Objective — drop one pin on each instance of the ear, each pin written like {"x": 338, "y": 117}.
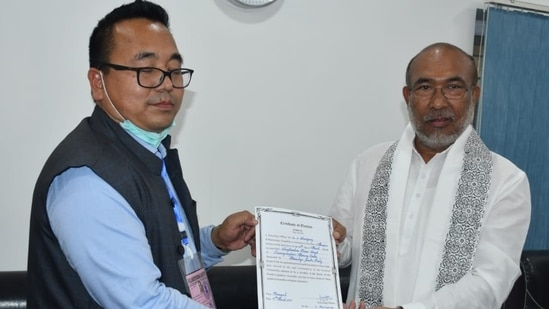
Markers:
{"x": 96, "y": 85}
{"x": 406, "y": 93}
{"x": 475, "y": 94}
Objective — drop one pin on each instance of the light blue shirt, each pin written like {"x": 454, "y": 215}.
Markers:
{"x": 105, "y": 243}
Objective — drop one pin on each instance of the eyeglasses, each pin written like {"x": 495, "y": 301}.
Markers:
{"x": 151, "y": 77}
{"x": 452, "y": 91}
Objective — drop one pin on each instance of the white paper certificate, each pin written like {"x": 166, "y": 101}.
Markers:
{"x": 296, "y": 260}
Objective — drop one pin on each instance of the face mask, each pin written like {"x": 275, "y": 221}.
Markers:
{"x": 152, "y": 138}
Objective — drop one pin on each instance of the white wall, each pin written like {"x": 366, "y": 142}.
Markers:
{"x": 282, "y": 100}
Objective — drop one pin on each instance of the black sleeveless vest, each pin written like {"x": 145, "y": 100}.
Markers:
{"x": 102, "y": 145}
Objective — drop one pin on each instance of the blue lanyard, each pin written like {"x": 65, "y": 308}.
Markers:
{"x": 177, "y": 210}
{"x": 191, "y": 260}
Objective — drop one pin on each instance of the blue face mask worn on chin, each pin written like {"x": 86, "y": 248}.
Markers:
{"x": 151, "y": 138}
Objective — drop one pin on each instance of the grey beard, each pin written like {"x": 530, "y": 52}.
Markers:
{"x": 438, "y": 140}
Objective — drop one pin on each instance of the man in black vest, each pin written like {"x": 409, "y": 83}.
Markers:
{"x": 113, "y": 223}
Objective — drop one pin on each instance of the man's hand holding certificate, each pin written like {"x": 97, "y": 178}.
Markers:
{"x": 296, "y": 260}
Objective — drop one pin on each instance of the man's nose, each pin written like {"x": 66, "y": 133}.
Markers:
{"x": 438, "y": 100}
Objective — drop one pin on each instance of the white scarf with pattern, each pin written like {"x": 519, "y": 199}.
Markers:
{"x": 471, "y": 175}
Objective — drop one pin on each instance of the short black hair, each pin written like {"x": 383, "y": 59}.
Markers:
{"x": 101, "y": 39}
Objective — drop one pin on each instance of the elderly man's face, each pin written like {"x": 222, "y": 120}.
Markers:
{"x": 441, "y": 98}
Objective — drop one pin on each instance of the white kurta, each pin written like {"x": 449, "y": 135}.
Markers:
{"x": 418, "y": 216}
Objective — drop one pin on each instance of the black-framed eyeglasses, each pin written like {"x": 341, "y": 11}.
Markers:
{"x": 151, "y": 77}
{"x": 451, "y": 91}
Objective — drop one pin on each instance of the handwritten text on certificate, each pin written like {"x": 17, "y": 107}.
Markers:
{"x": 297, "y": 261}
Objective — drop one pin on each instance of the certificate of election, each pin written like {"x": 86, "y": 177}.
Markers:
{"x": 296, "y": 260}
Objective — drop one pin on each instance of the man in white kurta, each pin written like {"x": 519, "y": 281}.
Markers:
{"x": 442, "y": 230}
